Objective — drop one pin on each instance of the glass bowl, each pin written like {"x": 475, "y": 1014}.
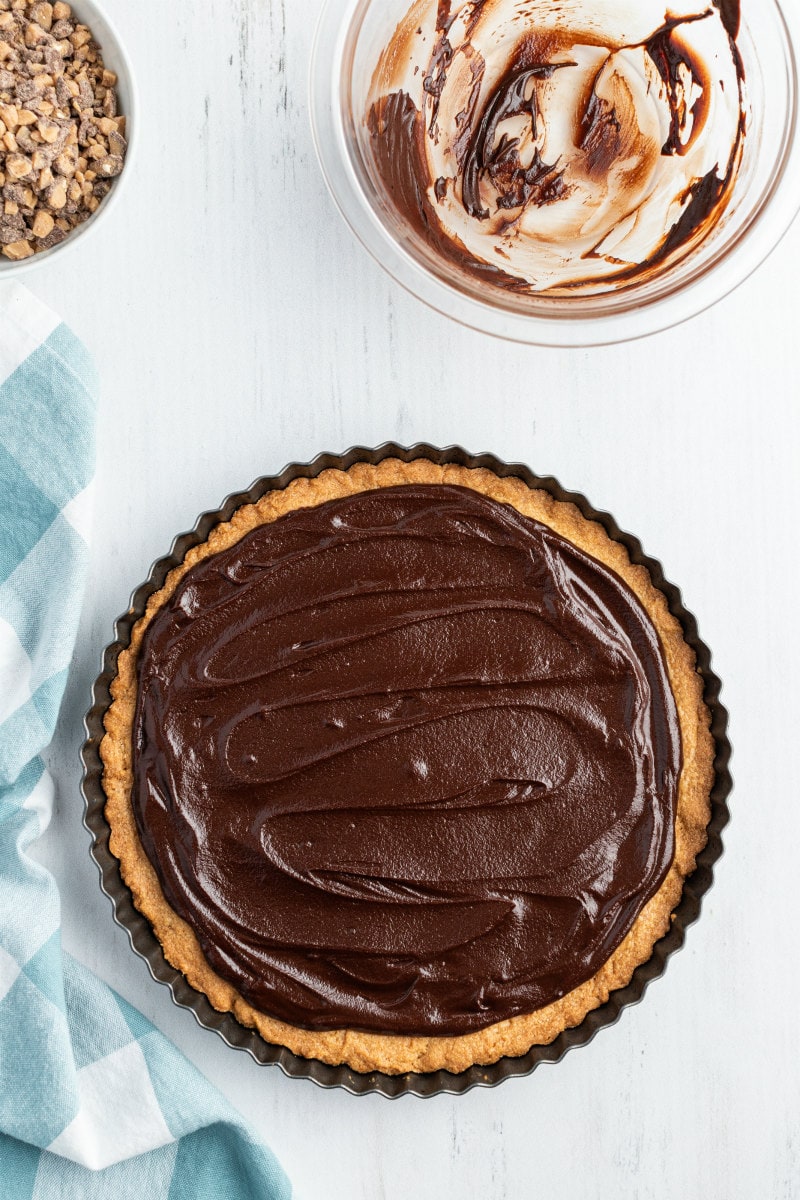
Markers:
{"x": 350, "y": 37}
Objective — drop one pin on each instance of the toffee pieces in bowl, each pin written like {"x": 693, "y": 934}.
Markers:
{"x": 62, "y": 139}
{"x": 407, "y": 765}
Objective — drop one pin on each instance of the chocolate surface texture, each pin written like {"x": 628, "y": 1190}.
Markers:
{"x": 559, "y": 145}
{"x": 406, "y": 762}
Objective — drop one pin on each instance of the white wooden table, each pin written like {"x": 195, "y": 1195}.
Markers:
{"x": 237, "y": 326}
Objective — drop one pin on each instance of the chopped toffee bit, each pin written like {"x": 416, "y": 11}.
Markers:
{"x": 62, "y": 140}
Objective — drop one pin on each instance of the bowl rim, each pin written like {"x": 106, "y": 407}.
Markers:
{"x": 748, "y": 251}
{"x": 138, "y": 928}
{"x": 78, "y": 236}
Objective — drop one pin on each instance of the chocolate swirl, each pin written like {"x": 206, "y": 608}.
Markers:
{"x": 406, "y": 762}
{"x": 555, "y": 147}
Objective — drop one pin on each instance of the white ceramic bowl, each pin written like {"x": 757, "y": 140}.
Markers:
{"x": 115, "y": 57}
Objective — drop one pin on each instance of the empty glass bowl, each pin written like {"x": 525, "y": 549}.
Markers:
{"x": 350, "y": 38}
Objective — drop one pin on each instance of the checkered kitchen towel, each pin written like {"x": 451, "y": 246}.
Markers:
{"x": 94, "y": 1102}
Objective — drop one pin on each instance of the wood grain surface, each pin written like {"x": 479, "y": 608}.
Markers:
{"x": 238, "y": 325}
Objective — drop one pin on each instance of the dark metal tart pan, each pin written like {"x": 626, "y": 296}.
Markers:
{"x": 138, "y": 927}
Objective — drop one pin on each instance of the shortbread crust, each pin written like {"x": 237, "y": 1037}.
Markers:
{"x": 388, "y": 1053}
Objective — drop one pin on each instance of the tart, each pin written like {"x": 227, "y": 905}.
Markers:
{"x": 407, "y": 765}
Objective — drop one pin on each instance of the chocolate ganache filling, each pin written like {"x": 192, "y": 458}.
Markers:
{"x": 406, "y": 762}
{"x": 559, "y": 145}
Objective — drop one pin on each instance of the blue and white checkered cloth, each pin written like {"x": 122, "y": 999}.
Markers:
{"x": 94, "y": 1102}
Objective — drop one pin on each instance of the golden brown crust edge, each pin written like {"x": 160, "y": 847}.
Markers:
{"x": 388, "y": 1053}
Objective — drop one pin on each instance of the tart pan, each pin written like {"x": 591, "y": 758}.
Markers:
{"x": 138, "y": 928}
